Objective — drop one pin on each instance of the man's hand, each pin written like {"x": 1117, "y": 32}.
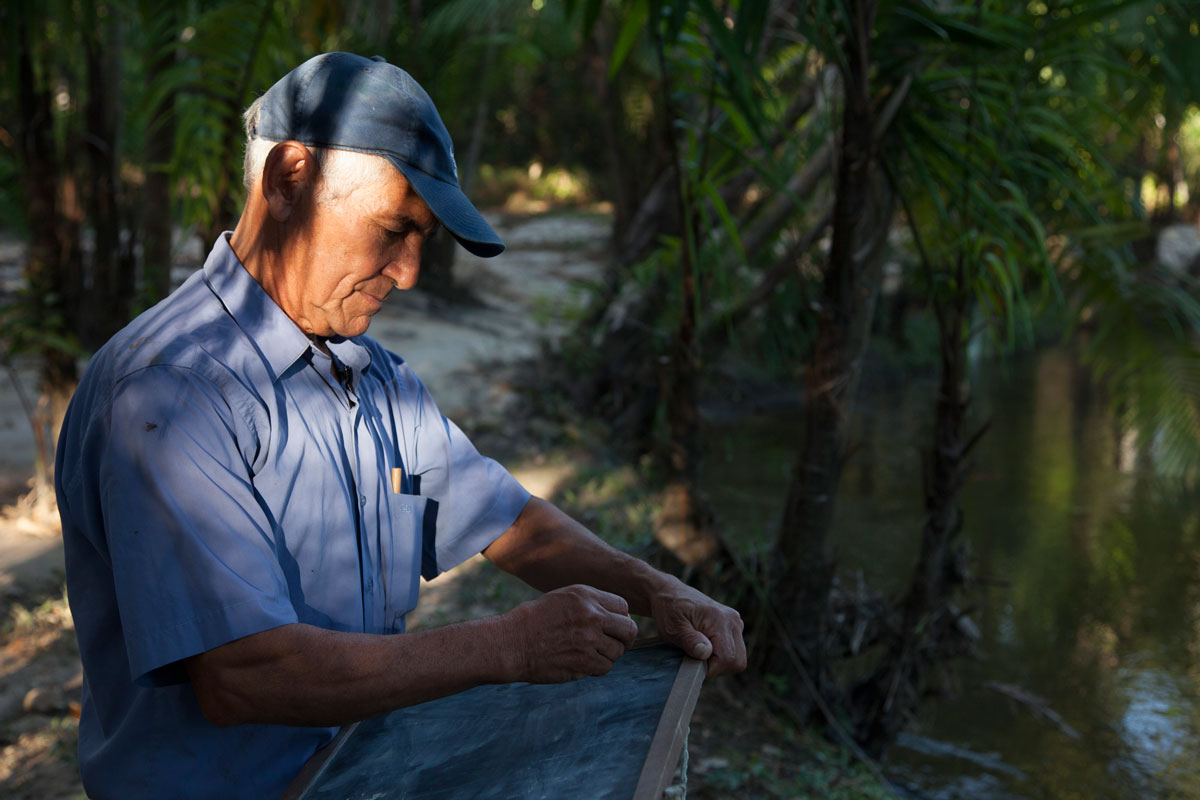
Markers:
{"x": 568, "y": 633}
{"x": 701, "y": 627}
{"x": 547, "y": 549}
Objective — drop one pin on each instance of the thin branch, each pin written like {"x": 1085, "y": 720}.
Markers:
{"x": 783, "y": 266}
{"x": 974, "y": 440}
{"x": 26, "y": 406}
{"x": 804, "y": 181}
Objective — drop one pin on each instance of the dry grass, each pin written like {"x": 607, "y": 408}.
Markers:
{"x": 40, "y": 678}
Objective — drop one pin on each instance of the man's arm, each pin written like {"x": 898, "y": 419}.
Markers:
{"x": 303, "y": 675}
{"x": 547, "y": 549}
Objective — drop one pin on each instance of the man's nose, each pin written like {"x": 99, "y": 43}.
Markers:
{"x": 403, "y": 270}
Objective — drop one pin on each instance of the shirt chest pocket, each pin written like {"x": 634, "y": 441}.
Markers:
{"x": 404, "y": 532}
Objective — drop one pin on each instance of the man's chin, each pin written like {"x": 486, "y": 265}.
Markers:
{"x": 355, "y": 327}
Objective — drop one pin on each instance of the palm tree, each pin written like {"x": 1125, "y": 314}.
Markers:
{"x": 984, "y": 125}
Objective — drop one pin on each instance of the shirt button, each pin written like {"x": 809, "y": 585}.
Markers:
{"x": 370, "y": 584}
{"x": 362, "y": 499}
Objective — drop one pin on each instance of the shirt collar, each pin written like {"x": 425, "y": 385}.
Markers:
{"x": 263, "y": 321}
{"x": 271, "y": 330}
{"x": 353, "y": 355}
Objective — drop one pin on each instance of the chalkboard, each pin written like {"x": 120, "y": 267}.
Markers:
{"x": 616, "y": 736}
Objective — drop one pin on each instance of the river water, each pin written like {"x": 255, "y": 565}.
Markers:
{"x": 1099, "y": 616}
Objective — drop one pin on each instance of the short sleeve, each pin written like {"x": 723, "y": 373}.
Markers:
{"x": 475, "y": 498}
{"x": 192, "y": 550}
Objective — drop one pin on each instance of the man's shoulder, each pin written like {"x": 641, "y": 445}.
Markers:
{"x": 166, "y": 352}
{"x": 189, "y": 330}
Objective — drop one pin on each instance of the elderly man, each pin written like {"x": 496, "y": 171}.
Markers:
{"x": 250, "y": 487}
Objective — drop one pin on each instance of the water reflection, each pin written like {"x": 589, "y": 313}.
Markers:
{"x": 1156, "y": 736}
{"x": 1101, "y": 612}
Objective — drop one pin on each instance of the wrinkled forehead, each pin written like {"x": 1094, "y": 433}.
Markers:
{"x": 393, "y": 199}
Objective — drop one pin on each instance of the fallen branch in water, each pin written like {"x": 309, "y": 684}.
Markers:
{"x": 1034, "y": 703}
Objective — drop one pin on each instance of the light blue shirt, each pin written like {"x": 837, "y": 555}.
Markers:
{"x": 215, "y": 480}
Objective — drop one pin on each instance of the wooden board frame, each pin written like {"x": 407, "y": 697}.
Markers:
{"x": 315, "y": 765}
{"x": 672, "y": 729}
{"x": 662, "y": 756}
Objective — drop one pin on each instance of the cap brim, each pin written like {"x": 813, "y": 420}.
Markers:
{"x": 454, "y": 211}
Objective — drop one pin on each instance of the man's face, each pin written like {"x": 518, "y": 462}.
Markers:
{"x": 354, "y": 253}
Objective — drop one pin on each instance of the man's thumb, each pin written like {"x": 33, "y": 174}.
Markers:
{"x": 698, "y": 646}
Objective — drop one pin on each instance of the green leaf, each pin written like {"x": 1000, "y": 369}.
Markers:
{"x": 631, "y": 28}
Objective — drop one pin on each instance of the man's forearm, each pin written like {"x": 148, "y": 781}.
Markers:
{"x": 303, "y": 675}
{"x": 547, "y": 549}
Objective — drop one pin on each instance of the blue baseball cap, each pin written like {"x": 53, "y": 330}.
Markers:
{"x": 348, "y": 102}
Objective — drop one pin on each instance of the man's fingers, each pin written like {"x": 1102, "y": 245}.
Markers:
{"x": 729, "y": 655}
{"x": 611, "y": 649}
{"x": 606, "y": 600}
{"x": 708, "y": 631}
{"x": 621, "y": 628}
{"x": 697, "y": 645}
{"x": 612, "y": 602}
{"x": 613, "y": 613}
{"x": 573, "y": 632}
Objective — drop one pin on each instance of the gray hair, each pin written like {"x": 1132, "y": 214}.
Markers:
{"x": 340, "y": 171}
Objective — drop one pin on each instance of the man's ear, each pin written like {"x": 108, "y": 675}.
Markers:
{"x": 287, "y": 177}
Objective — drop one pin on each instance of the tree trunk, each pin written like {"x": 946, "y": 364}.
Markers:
{"x": 52, "y": 247}
{"x": 945, "y": 470}
{"x": 625, "y": 174}
{"x": 932, "y": 630}
{"x": 160, "y": 141}
{"x": 1167, "y": 173}
{"x": 684, "y": 523}
{"x": 657, "y": 215}
{"x": 437, "y": 267}
{"x": 479, "y": 119}
{"x": 415, "y": 15}
{"x": 223, "y": 214}
{"x": 803, "y": 583}
{"x": 111, "y": 262}
{"x": 437, "y": 257}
